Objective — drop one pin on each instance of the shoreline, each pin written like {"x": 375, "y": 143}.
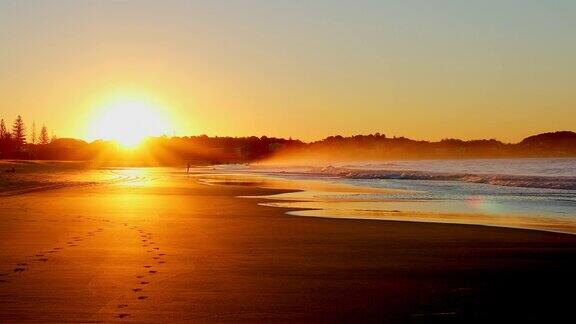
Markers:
{"x": 311, "y": 198}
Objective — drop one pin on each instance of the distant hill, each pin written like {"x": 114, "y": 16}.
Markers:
{"x": 557, "y": 142}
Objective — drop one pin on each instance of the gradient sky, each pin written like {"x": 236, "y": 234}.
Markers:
{"x": 306, "y": 69}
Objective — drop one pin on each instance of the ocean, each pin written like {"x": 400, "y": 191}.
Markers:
{"x": 540, "y": 188}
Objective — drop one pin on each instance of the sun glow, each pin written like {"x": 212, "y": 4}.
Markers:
{"x": 128, "y": 121}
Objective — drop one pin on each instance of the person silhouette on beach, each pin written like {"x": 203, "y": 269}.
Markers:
{"x": 188, "y": 169}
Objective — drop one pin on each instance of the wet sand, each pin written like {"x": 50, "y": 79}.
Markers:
{"x": 169, "y": 249}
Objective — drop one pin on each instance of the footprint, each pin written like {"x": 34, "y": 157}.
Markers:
{"x": 162, "y": 254}
{"x": 161, "y": 262}
{"x": 144, "y": 282}
{"x": 137, "y": 289}
{"x": 23, "y": 264}
{"x": 147, "y": 266}
{"x": 42, "y": 259}
{"x": 156, "y": 258}
{"x": 19, "y": 269}
{"x": 152, "y": 271}
{"x": 156, "y": 248}
{"x": 122, "y": 315}
{"x": 142, "y": 297}
{"x": 122, "y": 306}
{"x": 39, "y": 255}
{"x": 140, "y": 276}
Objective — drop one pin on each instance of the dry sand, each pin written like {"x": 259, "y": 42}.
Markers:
{"x": 168, "y": 249}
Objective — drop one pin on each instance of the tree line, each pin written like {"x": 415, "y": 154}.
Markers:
{"x": 15, "y": 143}
{"x": 379, "y": 147}
{"x": 204, "y": 149}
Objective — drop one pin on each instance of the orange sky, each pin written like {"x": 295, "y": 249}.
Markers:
{"x": 294, "y": 68}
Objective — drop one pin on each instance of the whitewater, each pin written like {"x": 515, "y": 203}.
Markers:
{"x": 496, "y": 187}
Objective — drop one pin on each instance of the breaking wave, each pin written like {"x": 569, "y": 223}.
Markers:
{"x": 548, "y": 182}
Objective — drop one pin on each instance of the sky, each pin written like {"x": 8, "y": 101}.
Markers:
{"x": 427, "y": 69}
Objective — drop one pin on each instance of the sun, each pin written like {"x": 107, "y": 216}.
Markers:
{"x": 128, "y": 121}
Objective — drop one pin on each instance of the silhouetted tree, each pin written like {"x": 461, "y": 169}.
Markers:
{"x": 44, "y": 138}
{"x": 19, "y": 132}
{"x": 33, "y": 134}
{"x": 3, "y": 131}
{"x": 4, "y": 140}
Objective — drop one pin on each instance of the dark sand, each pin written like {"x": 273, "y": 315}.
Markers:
{"x": 172, "y": 250}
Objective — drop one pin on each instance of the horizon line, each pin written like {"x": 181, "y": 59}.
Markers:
{"x": 326, "y": 137}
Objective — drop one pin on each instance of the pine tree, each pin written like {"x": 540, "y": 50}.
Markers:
{"x": 44, "y": 138}
{"x": 4, "y": 139}
{"x": 4, "y": 135}
{"x": 19, "y": 132}
{"x": 33, "y": 135}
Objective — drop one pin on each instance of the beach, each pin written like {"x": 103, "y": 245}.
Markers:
{"x": 153, "y": 245}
